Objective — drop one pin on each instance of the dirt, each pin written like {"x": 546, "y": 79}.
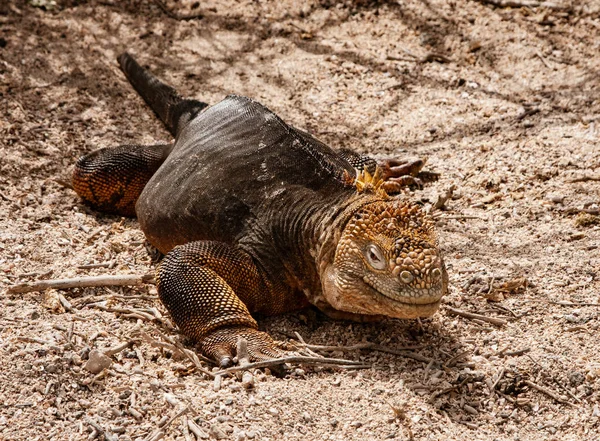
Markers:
{"x": 503, "y": 102}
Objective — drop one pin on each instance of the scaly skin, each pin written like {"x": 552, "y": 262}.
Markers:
{"x": 300, "y": 227}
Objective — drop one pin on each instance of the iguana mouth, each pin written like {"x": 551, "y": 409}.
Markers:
{"x": 415, "y": 301}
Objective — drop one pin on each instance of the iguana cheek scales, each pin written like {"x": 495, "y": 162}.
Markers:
{"x": 255, "y": 216}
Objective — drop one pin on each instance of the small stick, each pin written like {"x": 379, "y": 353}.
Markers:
{"x": 517, "y": 352}
{"x": 70, "y": 332}
{"x": 97, "y": 265}
{"x": 548, "y": 392}
{"x": 585, "y": 178}
{"x": 185, "y": 429}
{"x": 526, "y": 113}
{"x": 451, "y": 361}
{"x": 471, "y": 315}
{"x": 524, "y": 4}
{"x": 114, "y": 351}
{"x": 196, "y": 430}
{"x": 83, "y": 282}
{"x": 374, "y": 347}
{"x": 127, "y": 312}
{"x": 294, "y": 359}
{"x": 65, "y": 303}
{"x": 499, "y": 377}
{"x": 40, "y": 342}
{"x": 460, "y": 217}
{"x": 564, "y": 303}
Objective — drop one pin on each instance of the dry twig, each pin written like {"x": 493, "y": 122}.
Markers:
{"x": 525, "y": 4}
{"x": 404, "y": 352}
{"x": 471, "y": 315}
{"x": 548, "y": 392}
{"x": 83, "y": 282}
{"x": 295, "y": 359}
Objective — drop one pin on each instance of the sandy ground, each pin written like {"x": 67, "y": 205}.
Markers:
{"x": 503, "y": 102}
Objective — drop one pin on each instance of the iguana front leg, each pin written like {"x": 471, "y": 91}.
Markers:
{"x": 209, "y": 289}
{"x": 400, "y": 173}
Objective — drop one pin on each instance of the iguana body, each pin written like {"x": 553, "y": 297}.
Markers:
{"x": 255, "y": 216}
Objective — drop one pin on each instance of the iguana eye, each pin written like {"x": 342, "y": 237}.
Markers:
{"x": 375, "y": 257}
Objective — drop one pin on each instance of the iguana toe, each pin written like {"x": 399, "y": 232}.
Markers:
{"x": 221, "y": 345}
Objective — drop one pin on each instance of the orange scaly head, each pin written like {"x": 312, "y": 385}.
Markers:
{"x": 387, "y": 262}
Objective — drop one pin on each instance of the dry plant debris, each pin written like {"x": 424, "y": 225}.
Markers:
{"x": 501, "y": 97}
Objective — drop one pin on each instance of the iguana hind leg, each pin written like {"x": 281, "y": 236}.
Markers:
{"x": 111, "y": 179}
{"x": 209, "y": 289}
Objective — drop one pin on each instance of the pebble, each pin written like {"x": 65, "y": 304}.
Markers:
{"x": 217, "y": 383}
{"x": 306, "y": 417}
{"x": 171, "y": 399}
{"x": 273, "y": 411}
{"x": 556, "y": 198}
{"x": 235, "y": 387}
{"x": 97, "y": 362}
{"x": 356, "y": 424}
{"x": 216, "y": 432}
{"x": 251, "y": 434}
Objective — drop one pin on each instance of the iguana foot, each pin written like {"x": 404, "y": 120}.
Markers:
{"x": 221, "y": 345}
{"x": 401, "y": 173}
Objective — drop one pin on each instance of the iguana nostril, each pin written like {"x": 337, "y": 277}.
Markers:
{"x": 406, "y": 277}
{"x": 436, "y": 273}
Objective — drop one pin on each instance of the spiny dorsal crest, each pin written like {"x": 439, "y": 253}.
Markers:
{"x": 367, "y": 183}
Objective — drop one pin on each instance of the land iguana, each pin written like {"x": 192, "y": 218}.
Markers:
{"x": 255, "y": 216}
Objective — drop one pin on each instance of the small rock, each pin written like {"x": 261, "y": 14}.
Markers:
{"x": 240, "y": 436}
{"x": 217, "y": 383}
{"x": 76, "y": 360}
{"x": 306, "y": 417}
{"x": 171, "y": 399}
{"x": 251, "y": 435}
{"x": 216, "y": 432}
{"x": 356, "y": 424}
{"x": 576, "y": 378}
{"x": 97, "y": 362}
{"x": 334, "y": 422}
{"x": 273, "y": 411}
{"x": 248, "y": 380}
{"x": 556, "y": 198}
{"x": 576, "y": 236}
{"x": 52, "y": 368}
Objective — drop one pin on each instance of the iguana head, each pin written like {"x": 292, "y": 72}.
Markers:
{"x": 387, "y": 262}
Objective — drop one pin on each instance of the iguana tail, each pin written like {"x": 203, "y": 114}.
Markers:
{"x": 173, "y": 110}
